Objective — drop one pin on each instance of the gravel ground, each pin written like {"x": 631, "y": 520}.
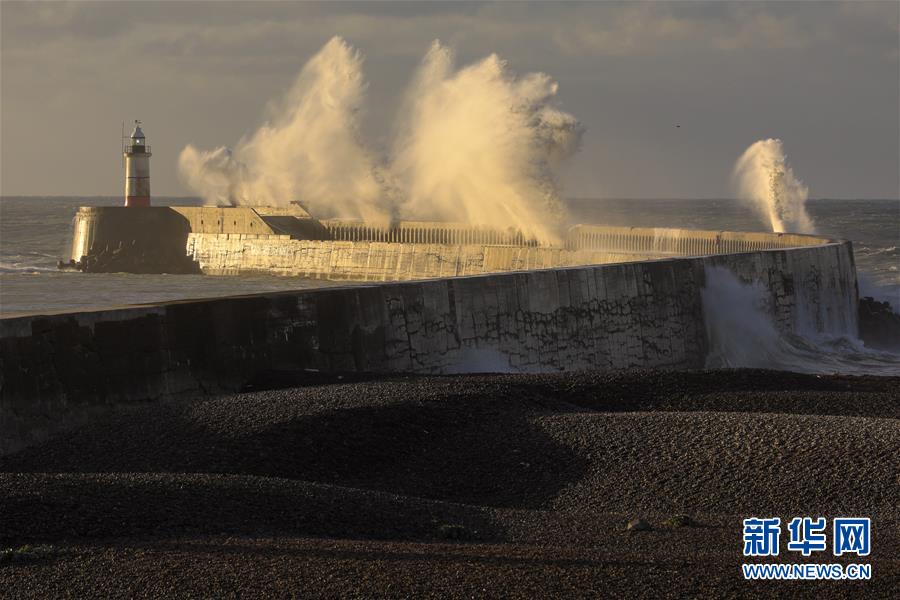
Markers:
{"x": 506, "y": 485}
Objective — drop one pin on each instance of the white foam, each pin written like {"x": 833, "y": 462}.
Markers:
{"x": 741, "y": 332}
{"x": 765, "y": 180}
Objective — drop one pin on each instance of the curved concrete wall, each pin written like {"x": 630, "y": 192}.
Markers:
{"x": 359, "y": 256}
{"x": 639, "y": 314}
{"x": 287, "y": 241}
{"x": 100, "y": 227}
{"x": 240, "y": 254}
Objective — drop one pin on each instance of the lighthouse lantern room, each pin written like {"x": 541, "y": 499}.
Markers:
{"x": 137, "y": 168}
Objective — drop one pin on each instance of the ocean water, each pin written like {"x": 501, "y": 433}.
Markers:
{"x": 35, "y": 232}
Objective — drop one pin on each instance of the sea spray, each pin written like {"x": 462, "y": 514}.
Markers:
{"x": 739, "y": 330}
{"x": 741, "y": 333}
{"x": 309, "y": 151}
{"x": 478, "y": 144}
{"x": 474, "y": 144}
{"x": 764, "y": 178}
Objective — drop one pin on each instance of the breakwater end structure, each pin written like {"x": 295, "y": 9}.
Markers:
{"x": 448, "y": 299}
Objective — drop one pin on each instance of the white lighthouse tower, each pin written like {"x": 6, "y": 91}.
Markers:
{"x": 137, "y": 168}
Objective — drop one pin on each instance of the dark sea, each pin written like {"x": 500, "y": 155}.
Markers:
{"x": 35, "y": 232}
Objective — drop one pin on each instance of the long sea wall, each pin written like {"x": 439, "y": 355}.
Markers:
{"x": 639, "y": 314}
{"x": 425, "y": 250}
{"x": 288, "y": 242}
{"x": 244, "y": 254}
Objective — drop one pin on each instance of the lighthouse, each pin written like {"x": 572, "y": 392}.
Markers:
{"x": 137, "y": 168}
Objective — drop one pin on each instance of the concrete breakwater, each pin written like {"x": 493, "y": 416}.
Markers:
{"x": 288, "y": 242}
{"x": 241, "y": 254}
{"x": 366, "y": 255}
{"x": 634, "y": 314}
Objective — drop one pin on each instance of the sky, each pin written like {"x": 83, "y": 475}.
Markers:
{"x": 822, "y": 76}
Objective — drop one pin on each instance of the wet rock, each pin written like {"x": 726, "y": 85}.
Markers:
{"x": 137, "y": 258}
{"x": 879, "y": 325}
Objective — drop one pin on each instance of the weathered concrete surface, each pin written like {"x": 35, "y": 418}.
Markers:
{"x": 287, "y": 241}
{"x": 241, "y": 254}
{"x": 359, "y": 256}
{"x": 644, "y": 314}
{"x": 131, "y": 239}
{"x": 98, "y": 227}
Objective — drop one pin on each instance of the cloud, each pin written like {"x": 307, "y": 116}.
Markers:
{"x": 255, "y": 31}
{"x": 651, "y": 28}
{"x": 200, "y": 72}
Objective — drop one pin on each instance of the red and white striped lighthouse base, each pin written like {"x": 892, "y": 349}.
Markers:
{"x": 137, "y": 201}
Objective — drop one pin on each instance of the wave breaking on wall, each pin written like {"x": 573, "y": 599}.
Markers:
{"x": 475, "y": 144}
{"x": 741, "y": 332}
{"x": 764, "y": 178}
